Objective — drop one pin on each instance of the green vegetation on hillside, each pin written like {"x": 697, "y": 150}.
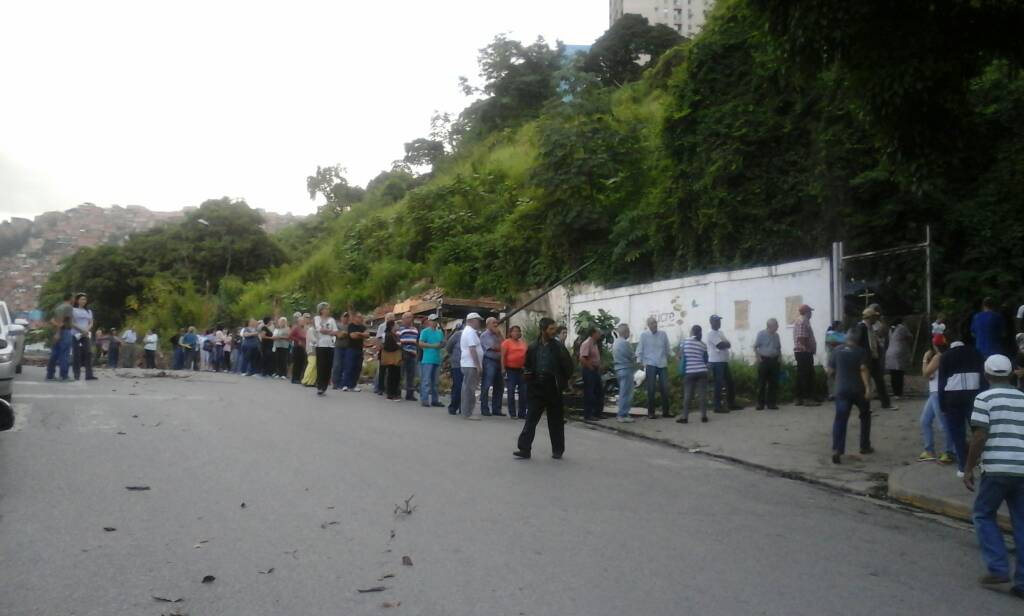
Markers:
{"x": 777, "y": 130}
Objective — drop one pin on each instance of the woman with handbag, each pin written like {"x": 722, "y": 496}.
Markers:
{"x": 326, "y": 328}
{"x": 391, "y": 362}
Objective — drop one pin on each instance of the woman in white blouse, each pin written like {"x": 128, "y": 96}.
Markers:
{"x": 325, "y": 327}
{"x": 149, "y": 344}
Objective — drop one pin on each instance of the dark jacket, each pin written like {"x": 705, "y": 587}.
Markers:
{"x": 961, "y": 377}
{"x": 533, "y": 372}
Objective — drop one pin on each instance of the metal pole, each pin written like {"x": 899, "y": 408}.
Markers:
{"x": 547, "y": 290}
{"x": 837, "y": 281}
{"x": 928, "y": 270}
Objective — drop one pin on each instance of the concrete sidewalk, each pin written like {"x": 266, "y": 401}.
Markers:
{"x": 796, "y": 442}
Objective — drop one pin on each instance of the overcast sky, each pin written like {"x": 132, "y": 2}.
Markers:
{"x": 168, "y": 104}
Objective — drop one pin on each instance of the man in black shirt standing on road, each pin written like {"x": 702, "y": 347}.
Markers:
{"x": 547, "y": 371}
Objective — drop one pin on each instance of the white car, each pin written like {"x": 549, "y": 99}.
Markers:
{"x": 12, "y": 343}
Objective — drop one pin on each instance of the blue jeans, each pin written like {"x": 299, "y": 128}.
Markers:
{"x": 428, "y": 384}
{"x": 928, "y": 415}
{"x": 625, "y": 377}
{"x": 956, "y": 423}
{"x": 722, "y": 378}
{"x": 845, "y": 404}
{"x": 517, "y": 386}
{"x": 338, "y": 369}
{"x": 218, "y": 357}
{"x": 491, "y": 380}
{"x": 112, "y": 356}
{"x": 593, "y": 394}
{"x": 410, "y": 366}
{"x": 250, "y": 357}
{"x": 456, "y": 403}
{"x": 992, "y": 491}
{"x": 60, "y": 355}
{"x": 661, "y": 375}
{"x": 353, "y": 367}
{"x": 179, "y": 358}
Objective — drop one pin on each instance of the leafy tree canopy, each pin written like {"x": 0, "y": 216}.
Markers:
{"x": 615, "y": 58}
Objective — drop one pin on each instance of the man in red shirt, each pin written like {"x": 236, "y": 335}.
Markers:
{"x": 804, "y": 348}
{"x": 513, "y": 357}
{"x": 590, "y": 362}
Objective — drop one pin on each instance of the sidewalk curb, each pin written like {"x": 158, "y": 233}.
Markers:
{"x": 900, "y": 493}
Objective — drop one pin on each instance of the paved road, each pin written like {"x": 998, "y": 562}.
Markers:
{"x": 617, "y": 527}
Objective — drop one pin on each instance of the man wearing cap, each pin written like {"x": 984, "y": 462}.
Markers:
{"x": 491, "y": 380}
{"x": 470, "y": 359}
{"x": 718, "y": 362}
{"x": 453, "y": 352}
{"x": 768, "y": 351}
{"x": 652, "y": 354}
{"x": 804, "y": 348}
{"x": 998, "y": 443}
{"x": 431, "y": 341}
{"x": 961, "y": 379}
{"x": 876, "y": 353}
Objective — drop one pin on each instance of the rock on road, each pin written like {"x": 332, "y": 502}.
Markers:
{"x": 618, "y": 527}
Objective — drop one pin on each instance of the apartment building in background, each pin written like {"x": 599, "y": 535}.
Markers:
{"x": 686, "y": 17}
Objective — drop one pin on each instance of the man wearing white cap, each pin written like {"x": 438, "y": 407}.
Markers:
{"x": 998, "y": 443}
{"x": 431, "y": 341}
{"x": 470, "y": 361}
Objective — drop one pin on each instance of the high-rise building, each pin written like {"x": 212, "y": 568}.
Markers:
{"x": 686, "y": 17}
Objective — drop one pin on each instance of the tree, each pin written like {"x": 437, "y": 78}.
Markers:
{"x": 621, "y": 54}
{"x": 331, "y": 184}
{"x": 423, "y": 152}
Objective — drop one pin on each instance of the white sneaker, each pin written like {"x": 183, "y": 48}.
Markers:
{"x": 472, "y": 418}
{"x": 960, "y": 474}
{"x": 344, "y": 389}
{"x": 625, "y": 420}
{"x": 355, "y": 389}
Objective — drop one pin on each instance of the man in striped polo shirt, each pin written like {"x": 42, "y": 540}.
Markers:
{"x": 998, "y": 442}
{"x": 409, "y": 338}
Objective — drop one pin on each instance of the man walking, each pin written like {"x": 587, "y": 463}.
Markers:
{"x": 961, "y": 379}
{"x": 513, "y": 358}
{"x": 409, "y": 338}
{"x": 999, "y": 445}
{"x": 453, "y": 351}
{"x": 652, "y": 353}
{"x": 470, "y": 361}
{"x": 768, "y": 351}
{"x": 431, "y": 341}
{"x": 60, "y": 351}
{"x": 622, "y": 361}
{"x": 547, "y": 371}
{"x": 492, "y": 381}
{"x": 876, "y": 353}
{"x": 590, "y": 364}
{"x": 849, "y": 364}
{"x": 804, "y": 348}
{"x": 718, "y": 360}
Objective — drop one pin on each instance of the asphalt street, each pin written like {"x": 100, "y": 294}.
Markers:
{"x": 618, "y": 527}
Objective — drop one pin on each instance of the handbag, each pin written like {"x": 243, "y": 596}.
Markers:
{"x": 391, "y": 358}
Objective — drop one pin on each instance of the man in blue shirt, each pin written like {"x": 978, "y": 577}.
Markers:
{"x": 652, "y": 353}
{"x": 431, "y": 341}
{"x": 988, "y": 328}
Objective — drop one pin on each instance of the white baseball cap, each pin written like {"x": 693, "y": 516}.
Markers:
{"x": 998, "y": 365}
{"x": 474, "y": 315}
{"x": 432, "y": 317}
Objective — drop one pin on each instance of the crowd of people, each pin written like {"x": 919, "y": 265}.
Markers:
{"x": 973, "y": 377}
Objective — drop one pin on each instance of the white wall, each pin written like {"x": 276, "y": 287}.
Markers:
{"x": 764, "y": 292}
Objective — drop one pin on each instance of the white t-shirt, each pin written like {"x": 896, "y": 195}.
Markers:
{"x": 1020, "y": 312}
{"x": 469, "y": 339}
{"x": 81, "y": 318}
{"x": 149, "y": 342}
{"x": 128, "y": 336}
{"x": 715, "y": 354}
{"x": 324, "y": 340}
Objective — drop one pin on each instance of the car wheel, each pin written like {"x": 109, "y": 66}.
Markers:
{"x": 6, "y": 413}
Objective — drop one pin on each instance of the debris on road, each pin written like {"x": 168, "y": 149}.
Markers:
{"x": 267, "y": 572}
{"x": 243, "y": 505}
{"x": 373, "y": 589}
{"x": 136, "y": 488}
{"x": 208, "y": 579}
{"x": 331, "y": 523}
{"x": 406, "y": 561}
{"x": 166, "y": 600}
{"x": 122, "y": 433}
{"x": 386, "y": 576}
{"x": 405, "y": 509}
{"x": 109, "y": 529}
{"x": 388, "y": 604}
